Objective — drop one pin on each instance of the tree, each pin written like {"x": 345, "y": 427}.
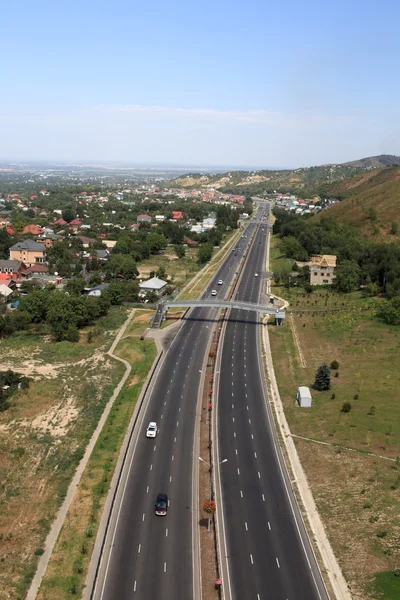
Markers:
{"x": 179, "y": 251}
{"x": 121, "y": 265}
{"x": 292, "y": 248}
{"x": 114, "y": 293}
{"x": 334, "y": 365}
{"x": 68, "y": 214}
{"x": 75, "y": 286}
{"x": 5, "y": 242}
{"x": 35, "y": 305}
{"x": 348, "y": 276}
{"x": 391, "y": 311}
{"x": 156, "y": 242}
{"x": 204, "y": 252}
{"x": 323, "y": 378}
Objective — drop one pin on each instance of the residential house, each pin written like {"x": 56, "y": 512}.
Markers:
{"x": 177, "y": 215}
{"x": 28, "y": 252}
{"x": 4, "y": 222}
{"x": 109, "y": 244}
{"x": 189, "y": 242}
{"x": 86, "y": 241}
{"x": 143, "y": 219}
{"x": 12, "y": 269}
{"x": 36, "y": 269}
{"x": 75, "y": 224}
{"x": 322, "y": 267}
{"x": 32, "y": 229}
{"x": 97, "y": 290}
{"x": 7, "y": 286}
{"x": 152, "y": 285}
{"x": 209, "y": 223}
{"x": 101, "y": 254}
{"x": 160, "y": 218}
{"x": 60, "y": 222}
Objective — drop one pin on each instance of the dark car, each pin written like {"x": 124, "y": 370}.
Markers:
{"x": 161, "y": 506}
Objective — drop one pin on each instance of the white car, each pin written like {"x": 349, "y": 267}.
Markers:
{"x": 220, "y": 282}
{"x": 151, "y": 430}
{"x": 214, "y": 293}
{"x": 255, "y": 274}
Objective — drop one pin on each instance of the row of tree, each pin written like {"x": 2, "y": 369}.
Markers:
{"x": 360, "y": 260}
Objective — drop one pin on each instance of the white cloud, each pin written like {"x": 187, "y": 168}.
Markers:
{"x": 251, "y": 116}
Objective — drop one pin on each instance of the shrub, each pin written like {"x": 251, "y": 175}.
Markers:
{"x": 334, "y": 365}
{"x": 333, "y": 396}
{"x": 346, "y": 407}
{"x": 381, "y": 533}
{"x": 355, "y": 397}
{"x": 372, "y": 411}
{"x": 337, "y": 374}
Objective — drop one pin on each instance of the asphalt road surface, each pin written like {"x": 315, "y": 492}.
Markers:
{"x": 268, "y": 555}
{"x": 145, "y": 556}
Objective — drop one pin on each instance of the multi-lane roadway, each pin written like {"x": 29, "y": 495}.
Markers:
{"x": 265, "y": 551}
{"x": 151, "y": 557}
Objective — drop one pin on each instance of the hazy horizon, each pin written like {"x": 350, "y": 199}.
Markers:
{"x": 264, "y": 86}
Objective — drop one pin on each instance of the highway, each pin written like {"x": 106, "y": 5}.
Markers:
{"x": 265, "y": 550}
{"x": 146, "y": 556}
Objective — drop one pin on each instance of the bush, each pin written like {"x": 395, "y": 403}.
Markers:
{"x": 355, "y": 397}
{"x": 346, "y": 407}
{"x": 372, "y": 411}
{"x": 337, "y": 374}
{"x": 334, "y": 365}
{"x": 333, "y": 396}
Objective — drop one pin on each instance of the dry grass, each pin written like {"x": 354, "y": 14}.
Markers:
{"x": 42, "y": 437}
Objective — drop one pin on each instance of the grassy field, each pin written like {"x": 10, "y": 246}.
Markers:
{"x": 180, "y": 270}
{"x": 68, "y": 565}
{"x": 43, "y": 435}
{"x": 350, "y": 459}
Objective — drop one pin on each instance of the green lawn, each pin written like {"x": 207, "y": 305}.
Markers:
{"x": 357, "y": 494}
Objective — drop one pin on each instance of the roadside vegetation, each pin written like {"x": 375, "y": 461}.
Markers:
{"x": 44, "y": 432}
{"x": 349, "y": 440}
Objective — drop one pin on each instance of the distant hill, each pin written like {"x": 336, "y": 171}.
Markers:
{"x": 371, "y": 200}
{"x": 383, "y": 160}
{"x": 305, "y": 181}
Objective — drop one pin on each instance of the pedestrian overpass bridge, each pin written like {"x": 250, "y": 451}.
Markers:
{"x": 271, "y": 309}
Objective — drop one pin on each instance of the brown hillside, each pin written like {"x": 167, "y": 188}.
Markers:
{"x": 372, "y": 202}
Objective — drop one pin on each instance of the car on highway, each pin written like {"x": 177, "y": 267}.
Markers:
{"x": 161, "y": 505}
{"x": 151, "y": 430}
{"x": 220, "y": 282}
{"x": 213, "y": 292}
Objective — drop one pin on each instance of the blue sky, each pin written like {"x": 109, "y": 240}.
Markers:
{"x": 254, "y": 83}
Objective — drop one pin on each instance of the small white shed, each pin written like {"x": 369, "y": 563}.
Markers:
{"x": 304, "y": 396}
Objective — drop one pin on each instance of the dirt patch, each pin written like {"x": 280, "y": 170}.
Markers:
{"x": 146, "y": 269}
{"x": 57, "y": 420}
{"x": 33, "y": 368}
